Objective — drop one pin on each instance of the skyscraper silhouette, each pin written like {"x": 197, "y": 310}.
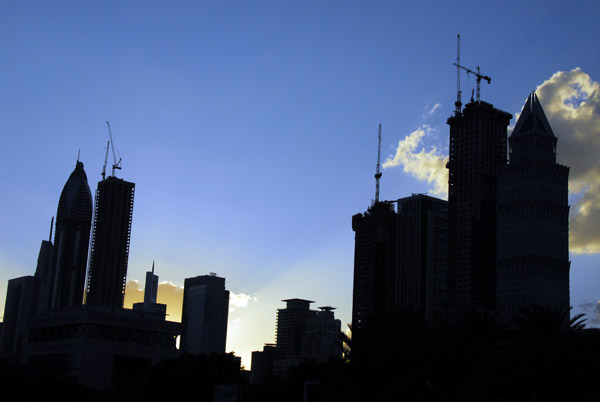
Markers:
{"x": 400, "y": 265}
{"x": 149, "y": 304}
{"x": 422, "y": 256}
{"x": 291, "y": 327}
{"x": 43, "y": 274}
{"x": 110, "y": 242}
{"x": 71, "y": 241}
{"x": 322, "y": 335}
{"x": 204, "y": 314}
{"x": 477, "y": 149}
{"x": 533, "y": 218}
{"x": 374, "y": 288}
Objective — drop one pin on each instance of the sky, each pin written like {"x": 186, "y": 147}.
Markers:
{"x": 250, "y": 129}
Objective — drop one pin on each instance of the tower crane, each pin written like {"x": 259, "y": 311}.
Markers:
{"x": 378, "y": 171}
{"x": 469, "y": 71}
{"x": 478, "y": 75}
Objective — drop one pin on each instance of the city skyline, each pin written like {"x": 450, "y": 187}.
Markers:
{"x": 231, "y": 116}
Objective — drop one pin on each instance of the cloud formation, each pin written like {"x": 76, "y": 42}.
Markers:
{"x": 592, "y": 314}
{"x": 172, "y": 295}
{"x": 429, "y": 111}
{"x": 239, "y": 300}
{"x": 571, "y": 101}
{"x": 428, "y": 166}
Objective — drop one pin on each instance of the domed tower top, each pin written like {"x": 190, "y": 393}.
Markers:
{"x": 76, "y": 198}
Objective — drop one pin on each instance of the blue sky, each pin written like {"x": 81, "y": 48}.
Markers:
{"x": 250, "y": 128}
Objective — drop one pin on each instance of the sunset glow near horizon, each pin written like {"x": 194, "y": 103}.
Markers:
{"x": 250, "y": 130}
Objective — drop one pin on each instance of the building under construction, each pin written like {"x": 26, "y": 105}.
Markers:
{"x": 110, "y": 242}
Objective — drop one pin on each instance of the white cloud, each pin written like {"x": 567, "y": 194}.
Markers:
{"x": 428, "y": 166}
{"x": 429, "y": 111}
{"x": 592, "y": 314}
{"x": 239, "y": 300}
{"x": 571, "y": 101}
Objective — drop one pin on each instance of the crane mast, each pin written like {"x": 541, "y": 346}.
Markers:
{"x": 469, "y": 71}
{"x": 105, "y": 159}
{"x": 378, "y": 171}
{"x": 116, "y": 165}
{"x": 458, "y": 102}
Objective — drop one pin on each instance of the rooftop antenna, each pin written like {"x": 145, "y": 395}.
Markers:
{"x": 458, "y": 102}
{"x": 378, "y": 172}
{"x": 116, "y": 165}
{"x": 469, "y": 71}
{"x": 78, "y": 154}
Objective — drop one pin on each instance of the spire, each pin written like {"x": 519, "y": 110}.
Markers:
{"x": 533, "y": 119}
{"x": 532, "y": 137}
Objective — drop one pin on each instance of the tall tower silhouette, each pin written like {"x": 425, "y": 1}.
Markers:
{"x": 110, "y": 242}
{"x": 533, "y": 218}
{"x": 71, "y": 241}
{"x": 204, "y": 314}
{"x": 477, "y": 148}
{"x": 374, "y": 288}
{"x": 291, "y": 327}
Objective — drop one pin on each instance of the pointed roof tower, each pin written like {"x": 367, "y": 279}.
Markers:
{"x": 532, "y": 137}
{"x": 76, "y": 198}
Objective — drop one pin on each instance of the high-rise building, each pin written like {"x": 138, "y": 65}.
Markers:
{"x": 374, "y": 293}
{"x": 263, "y": 364}
{"x": 71, "y": 241}
{"x": 151, "y": 288}
{"x": 149, "y": 304}
{"x": 204, "y": 315}
{"x": 110, "y": 242}
{"x": 533, "y": 218}
{"x": 322, "y": 335}
{"x": 43, "y": 274}
{"x": 477, "y": 149}
{"x": 291, "y": 327}
{"x": 400, "y": 265}
{"x": 422, "y": 256}
{"x": 18, "y": 310}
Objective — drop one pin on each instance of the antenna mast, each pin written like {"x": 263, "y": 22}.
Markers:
{"x": 116, "y": 165}
{"x": 378, "y": 172}
{"x": 458, "y": 102}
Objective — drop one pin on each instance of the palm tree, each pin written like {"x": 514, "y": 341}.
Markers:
{"x": 544, "y": 361}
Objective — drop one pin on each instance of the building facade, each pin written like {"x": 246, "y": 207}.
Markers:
{"x": 374, "y": 293}
{"x": 322, "y": 335}
{"x": 204, "y": 315}
{"x": 98, "y": 346}
{"x": 291, "y": 327}
{"x": 20, "y": 306}
{"x": 533, "y": 218}
{"x": 150, "y": 296}
{"x": 71, "y": 241}
{"x": 110, "y": 242}
{"x": 422, "y": 256}
{"x": 477, "y": 148}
